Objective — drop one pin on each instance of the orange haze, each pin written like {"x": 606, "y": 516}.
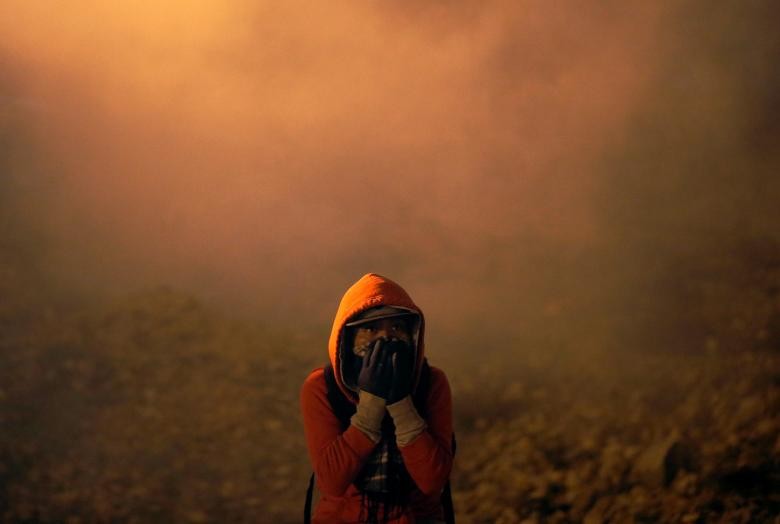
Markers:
{"x": 270, "y": 153}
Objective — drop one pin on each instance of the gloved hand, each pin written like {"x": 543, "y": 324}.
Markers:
{"x": 376, "y": 374}
{"x": 403, "y": 370}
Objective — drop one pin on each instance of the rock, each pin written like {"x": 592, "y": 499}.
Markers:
{"x": 508, "y": 516}
{"x": 765, "y": 428}
{"x": 640, "y": 498}
{"x": 533, "y": 519}
{"x": 613, "y": 466}
{"x": 658, "y": 464}
{"x": 520, "y": 483}
{"x": 581, "y": 501}
{"x": 686, "y": 484}
{"x": 559, "y": 517}
{"x": 598, "y": 513}
{"x": 539, "y": 491}
{"x": 749, "y": 411}
{"x": 486, "y": 491}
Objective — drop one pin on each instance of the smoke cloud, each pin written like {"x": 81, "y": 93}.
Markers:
{"x": 494, "y": 160}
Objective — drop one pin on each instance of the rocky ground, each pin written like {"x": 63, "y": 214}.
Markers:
{"x": 157, "y": 409}
{"x": 674, "y": 439}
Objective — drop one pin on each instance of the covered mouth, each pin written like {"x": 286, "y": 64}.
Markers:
{"x": 352, "y": 360}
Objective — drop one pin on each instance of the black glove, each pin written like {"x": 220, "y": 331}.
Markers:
{"x": 376, "y": 374}
{"x": 403, "y": 370}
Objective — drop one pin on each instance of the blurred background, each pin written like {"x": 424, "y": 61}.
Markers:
{"x": 581, "y": 196}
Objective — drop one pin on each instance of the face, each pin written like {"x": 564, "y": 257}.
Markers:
{"x": 389, "y": 328}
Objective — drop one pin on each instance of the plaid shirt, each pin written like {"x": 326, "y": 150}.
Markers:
{"x": 374, "y": 474}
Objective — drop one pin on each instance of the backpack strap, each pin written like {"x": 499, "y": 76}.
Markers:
{"x": 446, "y": 495}
{"x": 307, "y": 506}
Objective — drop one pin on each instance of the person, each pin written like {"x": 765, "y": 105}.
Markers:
{"x": 390, "y": 460}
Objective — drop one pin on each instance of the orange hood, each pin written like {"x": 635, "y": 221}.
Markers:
{"x": 371, "y": 291}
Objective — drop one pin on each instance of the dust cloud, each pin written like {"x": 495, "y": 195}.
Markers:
{"x": 581, "y": 197}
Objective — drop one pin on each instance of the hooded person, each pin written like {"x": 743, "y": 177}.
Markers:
{"x": 389, "y": 460}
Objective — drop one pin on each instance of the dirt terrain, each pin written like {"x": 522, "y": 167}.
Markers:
{"x": 159, "y": 409}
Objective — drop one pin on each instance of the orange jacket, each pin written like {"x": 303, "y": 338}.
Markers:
{"x": 337, "y": 456}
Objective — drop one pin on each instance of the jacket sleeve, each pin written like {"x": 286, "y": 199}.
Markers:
{"x": 428, "y": 458}
{"x": 336, "y": 456}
